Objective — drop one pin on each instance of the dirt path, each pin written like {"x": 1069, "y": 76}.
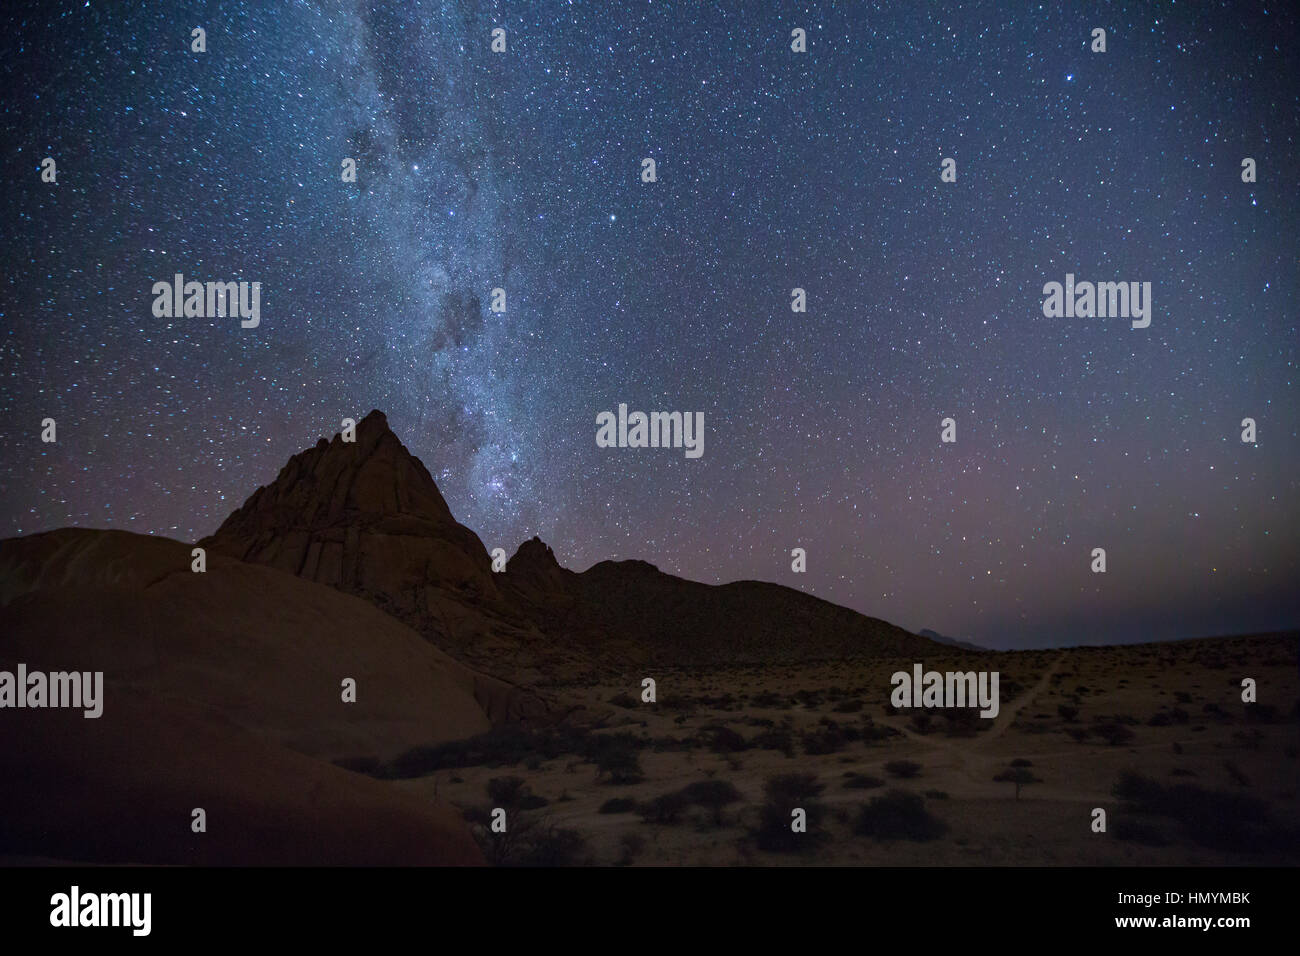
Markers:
{"x": 1006, "y": 717}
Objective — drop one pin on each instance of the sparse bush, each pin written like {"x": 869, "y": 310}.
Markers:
{"x": 1261, "y": 713}
{"x": 826, "y": 740}
{"x": 506, "y": 791}
{"x": 903, "y": 769}
{"x": 1113, "y": 733}
{"x": 1135, "y": 831}
{"x": 529, "y": 841}
{"x": 1067, "y": 712}
{"x": 776, "y": 739}
{"x": 631, "y": 845}
{"x": 711, "y": 794}
{"x": 1217, "y": 819}
{"x": 624, "y": 700}
{"x": 861, "y": 781}
{"x": 898, "y": 815}
{"x": 501, "y": 746}
{"x": 724, "y": 740}
{"x": 618, "y": 805}
{"x": 785, "y": 793}
{"x": 666, "y": 808}
{"x": 873, "y": 732}
{"x": 617, "y": 756}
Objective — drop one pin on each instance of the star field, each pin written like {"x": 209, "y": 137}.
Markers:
{"x": 776, "y": 170}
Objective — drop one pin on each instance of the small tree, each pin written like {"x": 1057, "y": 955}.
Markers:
{"x": 712, "y": 795}
{"x": 1020, "y": 776}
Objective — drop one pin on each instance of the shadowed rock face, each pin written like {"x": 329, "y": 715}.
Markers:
{"x": 221, "y": 690}
{"x": 368, "y": 519}
{"x": 632, "y": 611}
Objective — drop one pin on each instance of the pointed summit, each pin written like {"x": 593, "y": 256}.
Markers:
{"x": 537, "y": 584}
{"x": 534, "y": 568}
{"x": 533, "y": 554}
{"x": 364, "y": 516}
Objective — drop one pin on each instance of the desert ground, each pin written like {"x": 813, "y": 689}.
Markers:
{"x": 1073, "y": 720}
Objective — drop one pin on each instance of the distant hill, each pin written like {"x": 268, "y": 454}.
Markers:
{"x": 936, "y": 636}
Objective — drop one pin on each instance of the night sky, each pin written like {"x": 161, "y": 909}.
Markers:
{"x": 776, "y": 170}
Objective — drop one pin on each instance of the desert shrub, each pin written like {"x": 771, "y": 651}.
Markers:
{"x": 1113, "y": 733}
{"x": 898, "y": 815}
{"x": 851, "y": 706}
{"x": 618, "y": 805}
{"x": 616, "y": 756}
{"x": 666, "y": 808}
{"x": 936, "y": 794}
{"x": 921, "y": 723}
{"x": 501, "y": 746}
{"x": 1135, "y": 831}
{"x": 1212, "y": 818}
{"x": 553, "y": 847}
{"x": 824, "y": 740}
{"x": 532, "y": 801}
{"x": 712, "y": 795}
{"x": 903, "y": 769}
{"x": 862, "y": 781}
{"x": 1021, "y": 762}
{"x": 776, "y": 739}
{"x": 785, "y": 793}
{"x": 529, "y": 841}
{"x": 810, "y": 699}
{"x": 793, "y": 787}
{"x": 506, "y": 791}
{"x": 724, "y": 740}
{"x": 874, "y": 733}
{"x": 631, "y": 845}
{"x": 725, "y": 702}
{"x": 1067, "y": 712}
{"x": 769, "y": 700}
{"x": 963, "y": 721}
{"x": 624, "y": 700}
{"x": 1261, "y": 713}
